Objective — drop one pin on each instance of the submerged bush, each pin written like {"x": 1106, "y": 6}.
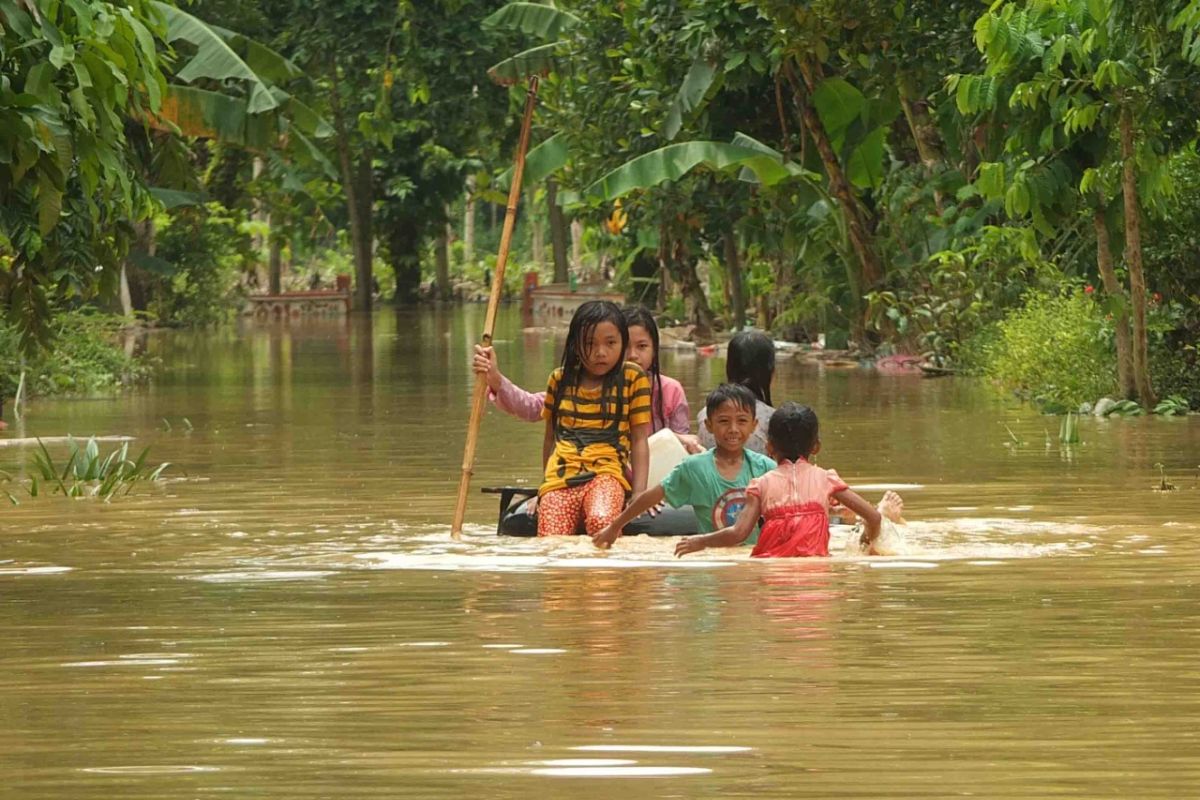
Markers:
{"x": 1055, "y": 351}
{"x": 84, "y": 358}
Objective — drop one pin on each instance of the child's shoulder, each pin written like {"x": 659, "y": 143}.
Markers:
{"x": 633, "y": 372}
{"x": 760, "y": 464}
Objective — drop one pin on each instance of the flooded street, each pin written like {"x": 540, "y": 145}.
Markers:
{"x": 286, "y": 616}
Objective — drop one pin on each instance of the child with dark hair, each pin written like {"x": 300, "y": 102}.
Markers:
{"x": 714, "y": 482}
{"x": 668, "y": 403}
{"x": 793, "y": 499}
{"x": 597, "y": 412}
{"x": 749, "y": 361}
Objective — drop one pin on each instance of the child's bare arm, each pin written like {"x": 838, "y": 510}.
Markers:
{"x": 867, "y": 512}
{"x": 639, "y": 449}
{"x": 731, "y": 536}
{"x": 640, "y": 503}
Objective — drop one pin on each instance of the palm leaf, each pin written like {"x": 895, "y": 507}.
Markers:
{"x": 214, "y": 58}
{"x": 534, "y": 61}
{"x": 533, "y": 19}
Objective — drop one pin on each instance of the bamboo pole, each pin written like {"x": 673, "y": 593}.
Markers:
{"x": 479, "y": 401}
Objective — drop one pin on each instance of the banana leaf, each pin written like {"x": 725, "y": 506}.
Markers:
{"x": 690, "y": 98}
{"x": 672, "y": 162}
{"x": 214, "y": 58}
{"x": 534, "y": 61}
{"x": 534, "y": 19}
{"x": 540, "y": 163}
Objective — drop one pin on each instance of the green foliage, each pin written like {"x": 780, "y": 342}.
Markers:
{"x": 1175, "y": 405}
{"x": 74, "y": 74}
{"x": 945, "y": 307}
{"x": 87, "y": 472}
{"x": 201, "y": 254}
{"x": 85, "y": 360}
{"x": 1055, "y": 351}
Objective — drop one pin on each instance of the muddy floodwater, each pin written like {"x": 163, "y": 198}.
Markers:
{"x": 286, "y": 617}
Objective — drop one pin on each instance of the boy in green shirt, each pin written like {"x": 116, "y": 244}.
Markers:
{"x": 714, "y": 482}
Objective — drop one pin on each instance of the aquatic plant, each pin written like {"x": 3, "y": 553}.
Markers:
{"x": 1068, "y": 430}
{"x": 1125, "y": 408}
{"x": 1175, "y": 405}
{"x": 87, "y": 472}
{"x": 1163, "y": 484}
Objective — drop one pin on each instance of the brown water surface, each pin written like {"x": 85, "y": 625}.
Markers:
{"x": 286, "y": 617}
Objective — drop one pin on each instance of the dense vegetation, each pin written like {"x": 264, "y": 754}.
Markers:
{"x": 1011, "y": 190}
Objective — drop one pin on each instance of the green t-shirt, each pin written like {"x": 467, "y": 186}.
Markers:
{"x": 697, "y": 482}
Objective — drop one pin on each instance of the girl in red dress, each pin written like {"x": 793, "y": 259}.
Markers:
{"x": 793, "y": 499}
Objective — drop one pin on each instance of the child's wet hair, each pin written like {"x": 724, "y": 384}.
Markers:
{"x": 793, "y": 431}
{"x": 735, "y": 393}
{"x": 750, "y": 361}
{"x": 640, "y": 317}
{"x": 583, "y": 324}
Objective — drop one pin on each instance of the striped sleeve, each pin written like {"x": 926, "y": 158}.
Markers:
{"x": 551, "y": 387}
{"x": 638, "y": 387}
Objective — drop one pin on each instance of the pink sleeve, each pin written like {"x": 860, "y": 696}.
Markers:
{"x": 836, "y": 484}
{"x": 679, "y": 416}
{"x": 754, "y": 488}
{"x": 512, "y": 399}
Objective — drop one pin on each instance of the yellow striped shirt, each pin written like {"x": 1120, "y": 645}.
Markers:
{"x": 590, "y": 438}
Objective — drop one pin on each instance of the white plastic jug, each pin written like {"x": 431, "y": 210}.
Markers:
{"x": 665, "y": 452}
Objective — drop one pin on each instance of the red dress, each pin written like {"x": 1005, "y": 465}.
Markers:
{"x": 794, "y": 499}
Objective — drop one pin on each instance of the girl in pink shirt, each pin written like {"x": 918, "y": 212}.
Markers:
{"x": 793, "y": 499}
{"x": 668, "y": 403}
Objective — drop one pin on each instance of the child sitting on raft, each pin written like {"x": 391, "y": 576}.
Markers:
{"x": 793, "y": 499}
{"x": 668, "y": 403}
{"x": 597, "y": 412}
{"x": 714, "y": 482}
{"x": 750, "y": 361}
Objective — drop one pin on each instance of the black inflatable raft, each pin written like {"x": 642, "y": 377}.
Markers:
{"x": 515, "y": 520}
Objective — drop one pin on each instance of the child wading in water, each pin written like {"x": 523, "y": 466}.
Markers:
{"x": 714, "y": 482}
{"x": 793, "y": 498}
{"x": 597, "y": 412}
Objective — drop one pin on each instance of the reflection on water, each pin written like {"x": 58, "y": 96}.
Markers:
{"x": 289, "y": 618}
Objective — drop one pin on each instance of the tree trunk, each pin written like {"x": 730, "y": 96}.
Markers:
{"x": 360, "y": 235}
{"x": 924, "y": 133}
{"x": 536, "y": 242}
{"x": 861, "y": 237}
{"x": 558, "y": 232}
{"x": 469, "y": 225}
{"x": 733, "y": 272}
{"x": 576, "y": 246}
{"x": 404, "y": 248}
{"x": 257, "y": 215}
{"x": 274, "y": 261}
{"x": 126, "y": 298}
{"x": 1133, "y": 261}
{"x": 682, "y": 265}
{"x": 1114, "y": 289}
{"x": 441, "y": 253}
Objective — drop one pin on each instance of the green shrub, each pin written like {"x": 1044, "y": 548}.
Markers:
{"x": 201, "y": 253}
{"x": 83, "y": 358}
{"x": 1055, "y": 351}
